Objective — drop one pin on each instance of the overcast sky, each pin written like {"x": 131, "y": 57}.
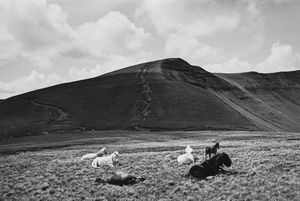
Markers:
{"x": 46, "y": 42}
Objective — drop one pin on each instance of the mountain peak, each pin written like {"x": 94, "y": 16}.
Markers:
{"x": 167, "y": 94}
{"x": 153, "y": 66}
{"x": 176, "y": 60}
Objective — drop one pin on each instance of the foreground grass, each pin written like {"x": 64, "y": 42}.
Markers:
{"x": 265, "y": 167}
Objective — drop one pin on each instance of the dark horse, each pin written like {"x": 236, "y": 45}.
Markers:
{"x": 121, "y": 179}
{"x": 210, "y": 167}
{"x": 211, "y": 150}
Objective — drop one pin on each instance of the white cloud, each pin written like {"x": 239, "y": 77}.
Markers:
{"x": 201, "y": 18}
{"x": 278, "y": 1}
{"x": 40, "y": 32}
{"x": 7, "y": 44}
{"x": 191, "y": 17}
{"x": 34, "y": 23}
{"x": 282, "y": 58}
{"x": 112, "y": 34}
{"x": 188, "y": 24}
{"x": 34, "y": 30}
{"x": 40, "y": 61}
{"x": 191, "y": 49}
{"x": 31, "y": 82}
{"x": 232, "y": 65}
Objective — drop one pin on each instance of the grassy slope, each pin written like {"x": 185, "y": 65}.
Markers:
{"x": 141, "y": 96}
{"x": 272, "y": 97}
{"x": 161, "y": 95}
{"x": 264, "y": 168}
{"x": 181, "y": 100}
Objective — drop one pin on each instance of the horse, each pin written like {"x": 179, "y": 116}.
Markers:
{"x": 110, "y": 160}
{"x": 211, "y": 150}
{"x": 186, "y": 158}
{"x": 210, "y": 167}
{"x": 120, "y": 179}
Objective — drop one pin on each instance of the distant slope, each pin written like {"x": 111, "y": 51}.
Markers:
{"x": 167, "y": 94}
{"x": 273, "y": 97}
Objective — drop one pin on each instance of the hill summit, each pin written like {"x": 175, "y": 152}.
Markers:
{"x": 168, "y": 94}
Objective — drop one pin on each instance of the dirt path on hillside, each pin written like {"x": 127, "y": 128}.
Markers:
{"x": 62, "y": 114}
{"x": 144, "y": 102}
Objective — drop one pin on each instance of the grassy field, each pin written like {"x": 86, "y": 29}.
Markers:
{"x": 265, "y": 166}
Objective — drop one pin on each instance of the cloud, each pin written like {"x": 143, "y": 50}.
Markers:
{"x": 34, "y": 30}
{"x": 189, "y": 25}
{"x": 7, "y": 44}
{"x": 191, "y": 49}
{"x": 31, "y": 82}
{"x": 190, "y": 17}
{"x": 112, "y": 34}
{"x": 76, "y": 52}
{"x": 199, "y": 18}
{"x": 232, "y": 65}
{"x": 278, "y": 1}
{"x": 40, "y": 32}
{"x": 282, "y": 58}
{"x": 35, "y": 24}
{"x": 40, "y": 61}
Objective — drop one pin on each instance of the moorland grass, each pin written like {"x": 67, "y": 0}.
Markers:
{"x": 265, "y": 167}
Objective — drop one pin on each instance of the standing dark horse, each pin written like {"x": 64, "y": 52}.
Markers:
{"x": 211, "y": 150}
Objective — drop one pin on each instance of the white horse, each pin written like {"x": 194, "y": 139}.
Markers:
{"x": 110, "y": 160}
{"x": 186, "y": 158}
{"x": 100, "y": 153}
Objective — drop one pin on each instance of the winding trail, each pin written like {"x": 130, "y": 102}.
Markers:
{"x": 62, "y": 114}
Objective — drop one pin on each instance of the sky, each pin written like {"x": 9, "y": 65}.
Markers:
{"x": 47, "y": 42}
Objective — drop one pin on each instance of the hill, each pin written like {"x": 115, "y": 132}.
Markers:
{"x": 167, "y": 94}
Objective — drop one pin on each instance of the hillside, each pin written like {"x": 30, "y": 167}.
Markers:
{"x": 272, "y": 97}
{"x": 166, "y": 94}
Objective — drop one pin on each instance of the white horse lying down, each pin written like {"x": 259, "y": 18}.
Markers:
{"x": 100, "y": 153}
{"x": 110, "y": 160}
{"x": 186, "y": 158}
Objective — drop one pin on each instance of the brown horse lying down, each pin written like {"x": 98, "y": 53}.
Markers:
{"x": 121, "y": 179}
{"x": 210, "y": 167}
